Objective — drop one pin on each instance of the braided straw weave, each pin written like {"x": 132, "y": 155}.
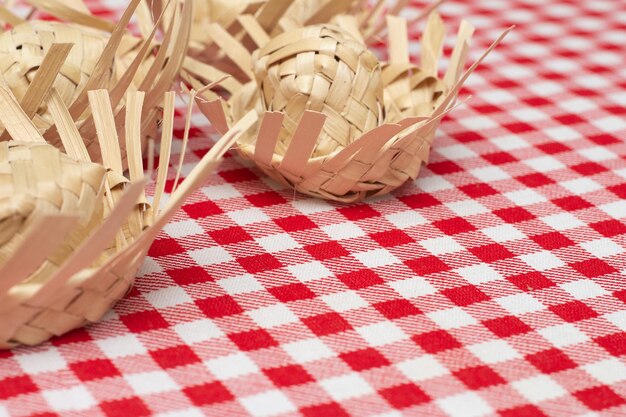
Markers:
{"x": 73, "y": 233}
{"x": 325, "y": 128}
{"x": 100, "y": 55}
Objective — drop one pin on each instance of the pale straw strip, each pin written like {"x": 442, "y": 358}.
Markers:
{"x": 106, "y": 128}
{"x": 166, "y": 145}
{"x": 15, "y": 121}
{"x": 63, "y": 11}
{"x": 267, "y": 137}
{"x": 70, "y": 136}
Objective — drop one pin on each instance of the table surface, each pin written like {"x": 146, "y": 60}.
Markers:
{"x": 492, "y": 285}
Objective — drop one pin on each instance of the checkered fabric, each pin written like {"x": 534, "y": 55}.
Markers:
{"x": 492, "y": 285}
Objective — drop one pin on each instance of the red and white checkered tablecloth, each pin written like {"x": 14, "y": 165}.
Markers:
{"x": 493, "y": 285}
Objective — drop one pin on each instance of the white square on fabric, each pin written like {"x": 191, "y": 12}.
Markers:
{"x": 119, "y": 346}
{"x": 602, "y": 248}
{"x": 210, "y": 256}
{"x": 273, "y": 316}
{"x": 406, "y": 219}
{"x": 539, "y": 388}
{"x": 581, "y": 186}
{"x": 231, "y": 366}
{"x": 503, "y": 233}
{"x": 248, "y": 216}
{"x": 562, "y": 221}
{"x": 267, "y": 404}
{"x": 241, "y": 284}
{"x": 544, "y": 164}
{"x": 309, "y": 271}
{"x": 49, "y": 360}
{"x": 468, "y": 404}
{"x": 433, "y": 183}
{"x": 525, "y": 197}
{"x": 151, "y": 382}
{"x": 616, "y": 209}
{"x": 413, "y": 287}
{"x": 467, "y": 208}
{"x": 376, "y": 257}
{"x": 583, "y": 288}
{"x": 308, "y": 350}
{"x": 340, "y": 231}
{"x": 197, "y": 331}
{"x": 490, "y": 174}
{"x": 618, "y": 319}
{"x": 456, "y": 152}
{"x": 183, "y": 228}
{"x": 608, "y": 371}
{"x": 346, "y": 386}
{"x": 509, "y": 143}
{"x": 542, "y": 261}
{"x": 311, "y": 205}
{"x": 441, "y": 245}
{"x": 563, "y": 335}
{"x": 518, "y": 304}
{"x": 422, "y": 368}
{"x": 70, "y": 399}
{"x": 479, "y": 273}
{"x": 452, "y": 318}
{"x": 380, "y": 334}
{"x": 220, "y": 192}
{"x": 344, "y": 301}
{"x": 494, "y": 351}
{"x": 277, "y": 243}
{"x": 597, "y": 153}
{"x": 562, "y": 133}
{"x": 168, "y": 297}
{"x": 189, "y": 412}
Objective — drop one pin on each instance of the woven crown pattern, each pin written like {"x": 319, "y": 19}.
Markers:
{"x": 324, "y": 69}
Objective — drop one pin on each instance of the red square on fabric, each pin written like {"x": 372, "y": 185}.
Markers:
{"x": 230, "y": 235}
{"x": 609, "y": 228}
{"x": 507, "y": 326}
{"x": 499, "y": 158}
{"x": 16, "y": 385}
{"x": 216, "y": 307}
{"x": 465, "y": 295}
{"x": 522, "y": 411}
{"x": 436, "y": 341}
{"x": 620, "y": 295}
{"x": 125, "y": 407}
{"x": 94, "y": 369}
{"x": 358, "y": 212}
{"x": 454, "y": 226}
{"x": 363, "y": 359}
{"x": 535, "y": 180}
{"x": 406, "y": 395}
{"x": 604, "y": 139}
{"x": 552, "y": 240}
{"x": 592, "y": 268}
{"x": 144, "y": 321}
{"x": 259, "y": 263}
{"x": 295, "y": 223}
{"x": 444, "y": 167}
{"x": 478, "y": 377}
{"x": 573, "y": 311}
{"x": 292, "y": 292}
{"x": 287, "y": 376}
{"x": 470, "y": 135}
{"x": 75, "y": 336}
{"x": 599, "y": 398}
{"x": 427, "y": 265}
{"x": 363, "y": 278}
{"x": 190, "y": 275}
{"x": 619, "y": 190}
{"x": 325, "y": 324}
{"x": 478, "y": 190}
{"x": 420, "y": 200}
{"x": 514, "y": 214}
{"x": 324, "y": 410}
{"x": 202, "y": 209}
{"x": 553, "y": 147}
{"x": 392, "y": 238}
{"x": 209, "y": 393}
{"x": 572, "y": 203}
{"x": 238, "y": 175}
{"x": 551, "y": 360}
{"x": 253, "y": 340}
{"x": 588, "y": 168}
{"x": 165, "y": 247}
{"x": 396, "y": 309}
{"x": 614, "y": 343}
{"x": 531, "y": 281}
{"x": 326, "y": 250}
{"x": 492, "y": 253}
{"x": 174, "y": 356}
{"x": 266, "y": 199}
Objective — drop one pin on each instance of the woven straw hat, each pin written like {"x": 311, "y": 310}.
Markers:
{"x": 96, "y": 54}
{"x": 73, "y": 233}
{"x": 318, "y": 130}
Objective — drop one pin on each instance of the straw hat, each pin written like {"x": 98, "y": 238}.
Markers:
{"x": 331, "y": 133}
{"x": 73, "y": 233}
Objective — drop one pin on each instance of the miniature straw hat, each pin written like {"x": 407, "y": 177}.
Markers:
{"x": 73, "y": 233}
{"x": 334, "y": 122}
{"x": 95, "y": 54}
